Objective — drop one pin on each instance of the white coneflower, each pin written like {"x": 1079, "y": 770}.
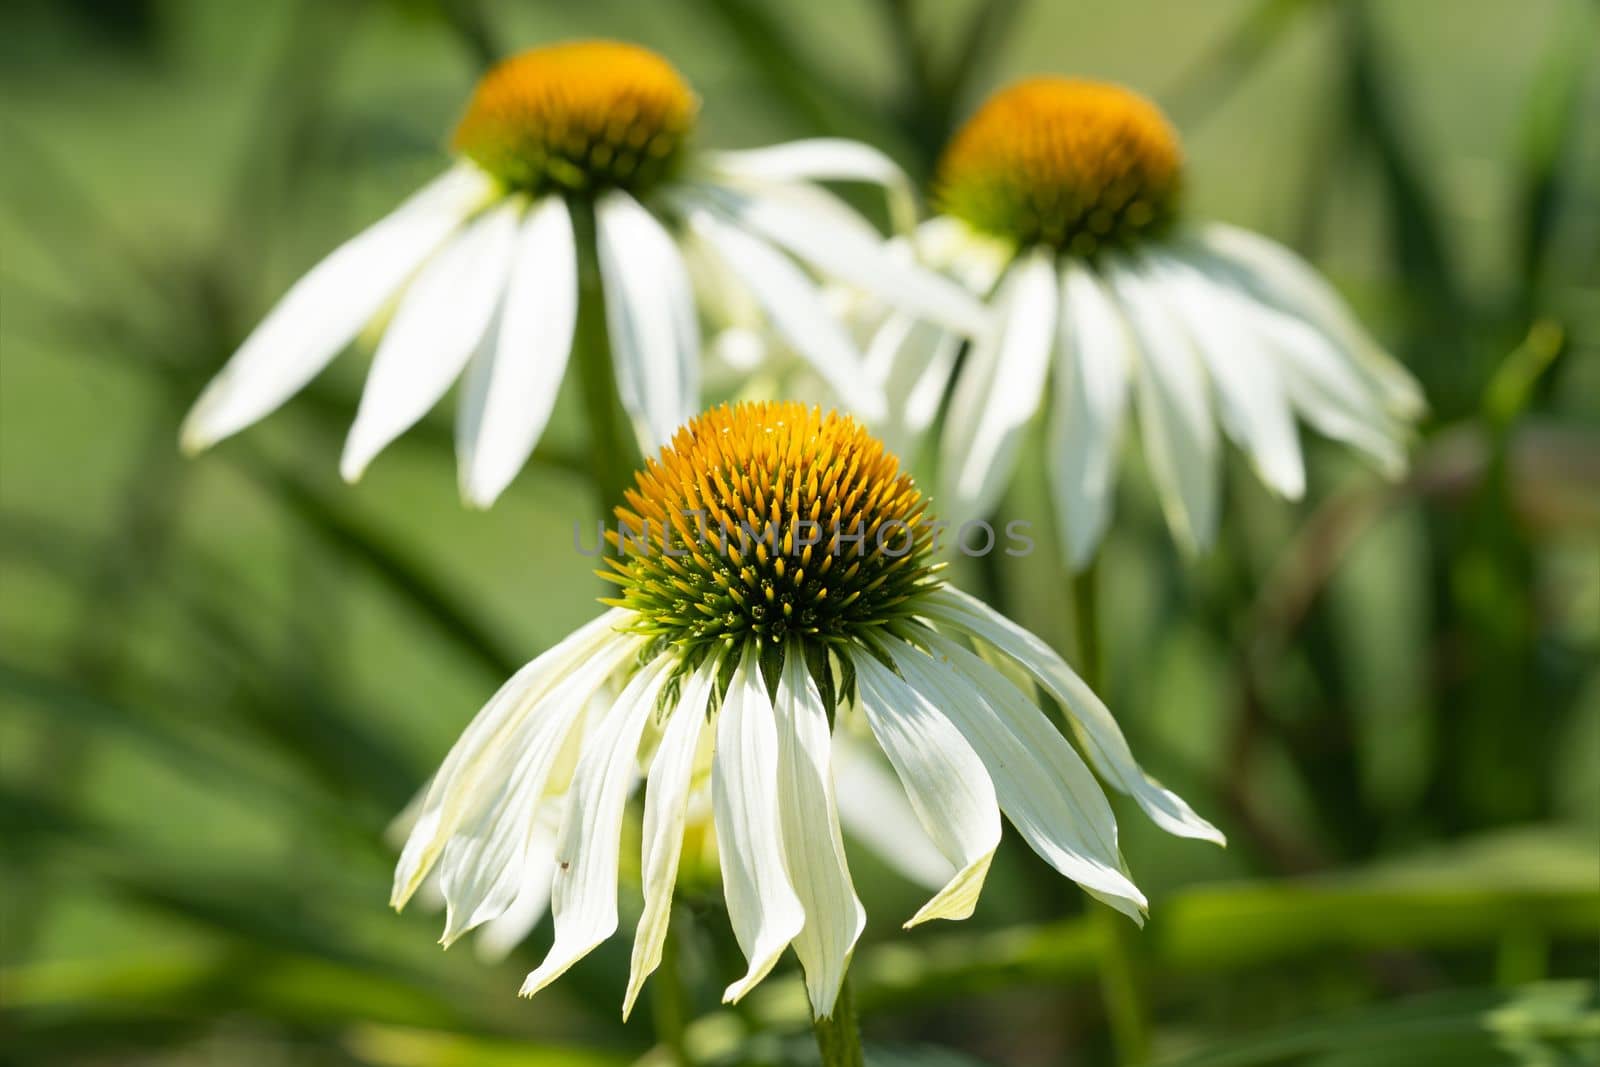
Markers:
{"x": 774, "y": 572}
{"x": 481, "y": 266}
{"x": 1059, "y": 200}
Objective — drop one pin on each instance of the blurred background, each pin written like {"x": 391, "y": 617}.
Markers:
{"x": 220, "y": 678}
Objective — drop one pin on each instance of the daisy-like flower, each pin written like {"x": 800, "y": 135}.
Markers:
{"x": 774, "y": 574}
{"x": 561, "y": 146}
{"x": 1060, "y": 201}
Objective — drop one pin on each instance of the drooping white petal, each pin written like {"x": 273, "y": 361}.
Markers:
{"x": 666, "y": 805}
{"x": 886, "y": 334}
{"x": 1092, "y": 723}
{"x": 325, "y": 310}
{"x": 999, "y": 390}
{"x": 812, "y": 845}
{"x": 1250, "y": 391}
{"x": 583, "y": 894}
{"x": 1043, "y": 786}
{"x": 944, "y": 779}
{"x": 464, "y": 774}
{"x": 655, "y": 337}
{"x": 844, "y": 253}
{"x": 1291, "y": 284}
{"x": 1324, "y": 372}
{"x": 825, "y": 159}
{"x": 814, "y": 202}
{"x": 795, "y": 307}
{"x": 497, "y": 937}
{"x": 724, "y": 300}
{"x": 1092, "y": 373}
{"x": 913, "y": 360}
{"x": 1180, "y": 438}
{"x": 483, "y": 865}
{"x": 762, "y": 905}
{"x": 441, "y": 319}
{"x": 874, "y": 811}
{"x": 1326, "y": 388}
{"x": 512, "y": 383}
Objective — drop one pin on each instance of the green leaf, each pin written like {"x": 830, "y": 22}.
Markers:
{"x": 1210, "y": 80}
{"x": 1552, "y": 126}
{"x": 396, "y": 1046}
{"x": 1549, "y": 1023}
{"x": 342, "y": 530}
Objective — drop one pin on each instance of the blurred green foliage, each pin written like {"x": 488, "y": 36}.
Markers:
{"x": 219, "y": 679}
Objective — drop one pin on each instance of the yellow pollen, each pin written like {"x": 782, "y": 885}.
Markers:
{"x": 1076, "y": 165}
{"x": 770, "y": 521}
{"x": 578, "y": 117}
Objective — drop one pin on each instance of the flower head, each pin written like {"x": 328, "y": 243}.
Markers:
{"x": 762, "y": 522}
{"x": 722, "y": 652}
{"x": 579, "y": 116}
{"x": 569, "y": 152}
{"x": 1075, "y": 165}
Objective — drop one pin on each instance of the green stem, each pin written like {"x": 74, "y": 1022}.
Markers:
{"x": 614, "y": 453}
{"x": 839, "y": 1036}
{"x": 1119, "y": 986}
{"x": 1086, "y": 624}
{"x": 1119, "y": 976}
{"x": 669, "y": 998}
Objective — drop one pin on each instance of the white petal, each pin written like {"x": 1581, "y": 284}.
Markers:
{"x": 1090, "y": 412}
{"x": 655, "y": 338}
{"x": 497, "y": 937}
{"x": 842, "y": 252}
{"x": 1327, "y": 389}
{"x": 762, "y": 905}
{"x": 666, "y": 801}
{"x": 1180, "y": 438}
{"x": 1290, "y": 283}
{"x": 1327, "y": 374}
{"x": 723, "y": 299}
{"x": 999, "y": 390}
{"x": 813, "y": 201}
{"x": 974, "y": 259}
{"x": 1092, "y": 723}
{"x": 325, "y": 309}
{"x": 944, "y": 779}
{"x": 436, "y": 814}
{"x": 1250, "y": 391}
{"x": 441, "y": 318}
{"x": 796, "y": 310}
{"x": 583, "y": 895}
{"x": 483, "y": 866}
{"x": 513, "y": 381}
{"x": 826, "y": 159}
{"x": 812, "y": 844}
{"x": 913, "y": 360}
{"x": 874, "y": 811}
{"x": 1042, "y": 785}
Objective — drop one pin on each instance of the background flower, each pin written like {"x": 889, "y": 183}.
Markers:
{"x": 570, "y": 154}
{"x": 1060, "y": 202}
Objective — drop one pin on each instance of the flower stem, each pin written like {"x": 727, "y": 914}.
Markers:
{"x": 1119, "y": 978}
{"x": 1086, "y": 623}
{"x": 839, "y": 1037}
{"x": 1119, "y": 987}
{"x": 669, "y": 998}
{"x": 614, "y": 454}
